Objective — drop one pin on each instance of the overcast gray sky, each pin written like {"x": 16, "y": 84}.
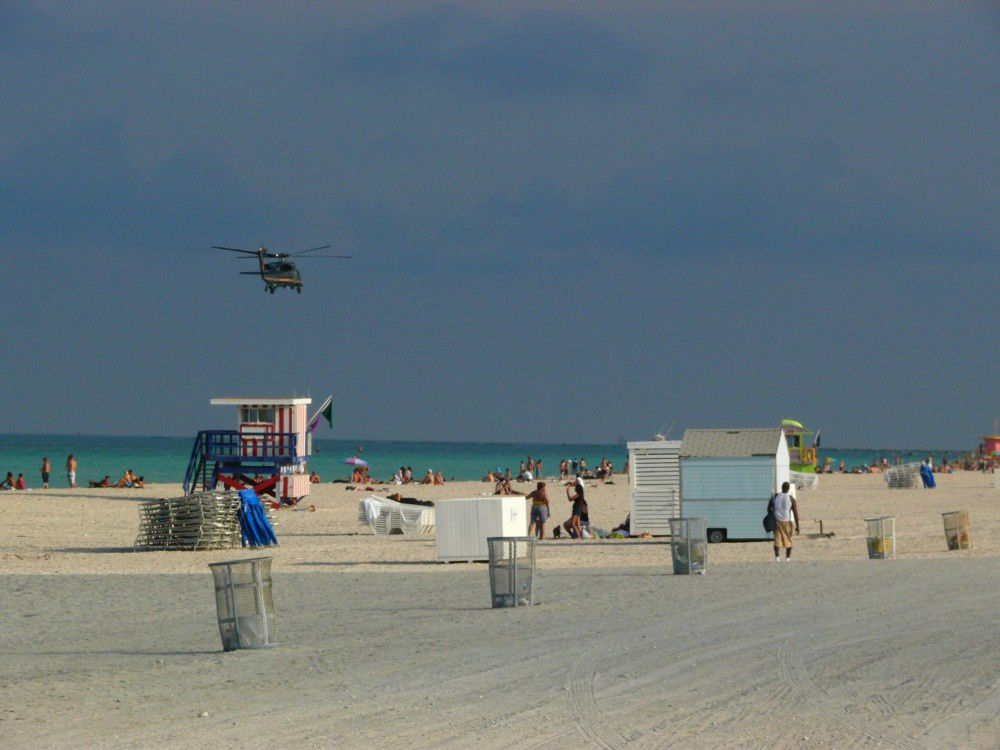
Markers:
{"x": 571, "y": 221}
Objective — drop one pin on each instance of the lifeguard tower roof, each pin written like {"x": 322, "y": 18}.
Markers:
{"x": 269, "y": 400}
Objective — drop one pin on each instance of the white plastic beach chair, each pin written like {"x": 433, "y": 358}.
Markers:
{"x": 385, "y": 516}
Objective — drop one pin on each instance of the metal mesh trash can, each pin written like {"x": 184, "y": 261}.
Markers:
{"x": 512, "y": 570}
{"x": 956, "y": 529}
{"x": 881, "y": 538}
{"x": 244, "y": 603}
{"x": 688, "y": 545}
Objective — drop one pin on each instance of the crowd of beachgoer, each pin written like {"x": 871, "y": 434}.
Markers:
{"x": 947, "y": 465}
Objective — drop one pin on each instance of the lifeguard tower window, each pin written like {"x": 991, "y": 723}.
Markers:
{"x": 252, "y": 415}
{"x": 793, "y": 441}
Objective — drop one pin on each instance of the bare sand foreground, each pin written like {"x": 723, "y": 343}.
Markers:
{"x": 384, "y": 647}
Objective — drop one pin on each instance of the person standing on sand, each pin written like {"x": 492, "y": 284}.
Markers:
{"x": 539, "y": 510}
{"x": 786, "y": 517}
{"x": 71, "y": 471}
{"x": 46, "y": 470}
{"x": 575, "y": 494}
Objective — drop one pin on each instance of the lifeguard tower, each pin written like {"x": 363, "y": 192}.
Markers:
{"x": 269, "y": 442}
{"x": 802, "y": 457}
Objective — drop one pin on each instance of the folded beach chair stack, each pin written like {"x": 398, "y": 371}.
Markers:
{"x": 255, "y": 528}
{"x": 804, "y": 481}
{"x": 903, "y": 476}
{"x": 385, "y": 516}
{"x": 204, "y": 520}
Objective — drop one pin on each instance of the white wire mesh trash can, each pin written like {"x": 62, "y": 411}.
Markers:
{"x": 881, "y": 538}
{"x": 244, "y": 603}
{"x": 956, "y": 529}
{"x": 512, "y": 570}
{"x": 688, "y": 545}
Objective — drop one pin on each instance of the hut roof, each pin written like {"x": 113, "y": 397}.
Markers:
{"x": 731, "y": 443}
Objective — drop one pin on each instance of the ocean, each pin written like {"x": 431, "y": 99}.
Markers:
{"x": 164, "y": 459}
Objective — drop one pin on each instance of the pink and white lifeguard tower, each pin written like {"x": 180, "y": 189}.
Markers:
{"x": 269, "y": 441}
{"x": 991, "y": 445}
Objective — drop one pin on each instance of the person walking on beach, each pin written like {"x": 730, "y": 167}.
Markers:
{"x": 539, "y": 510}
{"x": 71, "y": 470}
{"x": 46, "y": 470}
{"x": 786, "y": 517}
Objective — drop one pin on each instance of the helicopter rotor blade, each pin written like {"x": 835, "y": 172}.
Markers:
{"x": 312, "y": 249}
{"x": 234, "y": 249}
{"x": 326, "y": 256}
{"x": 249, "y": 273}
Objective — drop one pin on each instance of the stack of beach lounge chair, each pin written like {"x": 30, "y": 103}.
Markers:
{"x": 804, "y": 481}
{"x": 385, "y": 516}
{"x": 904, "y": 476}
{"x": 204, "y": 520}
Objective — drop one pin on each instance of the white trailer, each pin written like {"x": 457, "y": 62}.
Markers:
{"x": 728, "y": 476}
{"x": 655, "y": 480}
{"x": 463, "y": 525}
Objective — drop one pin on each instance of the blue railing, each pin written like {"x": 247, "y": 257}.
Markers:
{"x": 223, "y": 444}
{"x": 232, "y": 446}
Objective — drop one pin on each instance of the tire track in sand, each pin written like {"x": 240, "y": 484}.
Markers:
{"x": 793, "y": 673}
{"x": 587, "y": 714}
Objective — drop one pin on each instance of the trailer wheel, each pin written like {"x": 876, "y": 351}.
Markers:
{"x": 716, "y": 536}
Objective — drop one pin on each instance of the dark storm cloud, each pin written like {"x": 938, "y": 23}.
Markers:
{"x": 726, "y": 213}
{"x": 75, "y": 182}
{"x": 540, "y": 52}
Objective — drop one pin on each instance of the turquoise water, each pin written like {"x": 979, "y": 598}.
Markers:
{"x": 164, "y": 459}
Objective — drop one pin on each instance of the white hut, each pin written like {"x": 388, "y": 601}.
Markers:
{"x": 727, "y": 477}
{"x": 655, "y": 482}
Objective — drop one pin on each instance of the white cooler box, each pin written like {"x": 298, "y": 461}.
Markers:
{"x": 462, "y": 525}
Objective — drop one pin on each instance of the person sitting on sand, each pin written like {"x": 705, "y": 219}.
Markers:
{"x": 428, "y": 477}
{"x": 439, "y": 478}
{"x": 20, "y": 484}
{"x": 490, "y": 477}
{"x": 128, "y": 479}
{"x": 314, "y": 478}
{"x": 8, "y": 483}
{"x": 503, "y": 487}
{"x": 106, "y": 482}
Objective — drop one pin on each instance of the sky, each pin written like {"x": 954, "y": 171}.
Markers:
{"x": 569, "y": 221}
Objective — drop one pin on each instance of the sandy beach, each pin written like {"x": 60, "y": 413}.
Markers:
{"x": 383, "y": 646}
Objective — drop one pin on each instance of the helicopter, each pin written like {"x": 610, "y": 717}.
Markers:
{"x": 282, "y": 272}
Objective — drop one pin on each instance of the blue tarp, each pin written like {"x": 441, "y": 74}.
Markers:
{"x": 256, "y": 529}
{"x": 927, "y": 476}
